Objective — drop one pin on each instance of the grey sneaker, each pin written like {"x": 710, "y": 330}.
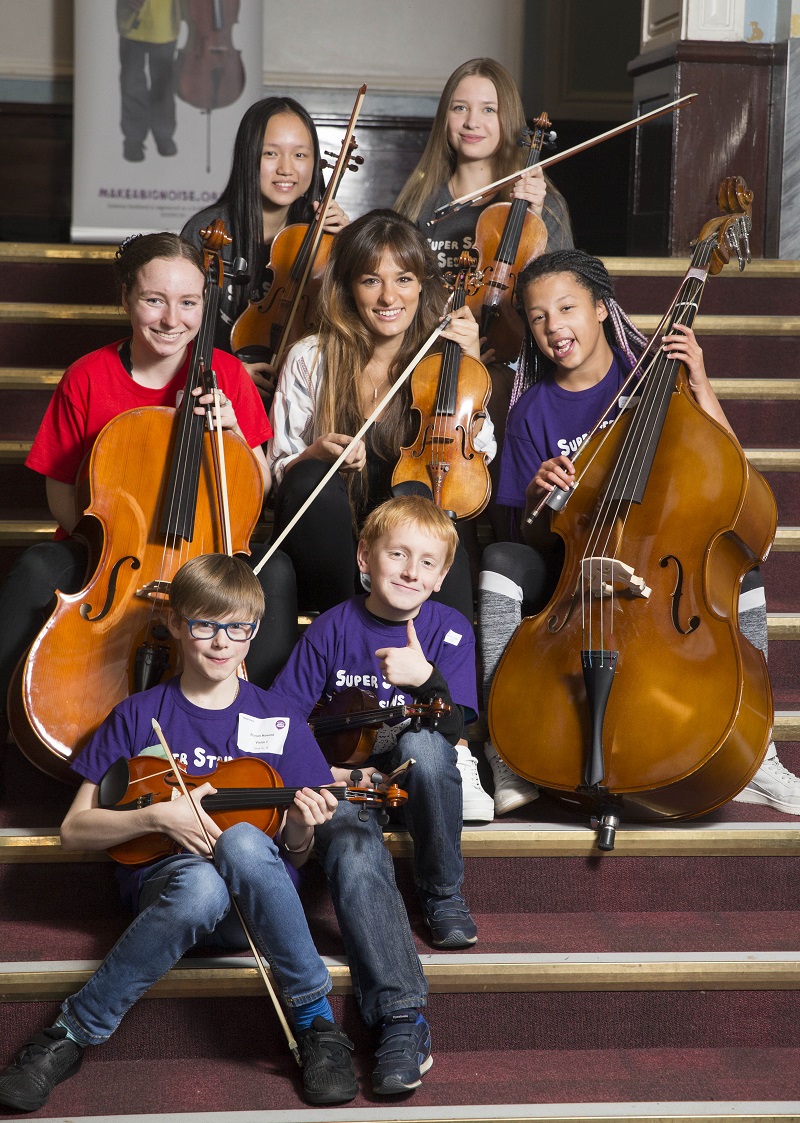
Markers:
{"x": 510, "y": 790}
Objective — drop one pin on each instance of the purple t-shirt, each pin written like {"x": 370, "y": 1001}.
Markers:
{"x": 257, "y": 724}
{"x": 338, "y": 650}
{"x": 550, "y": 421}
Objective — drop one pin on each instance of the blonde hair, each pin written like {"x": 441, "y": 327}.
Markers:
{"x": 438, "y": 161}
{"x": 212, "y": 586}
{"x": 421, "y": 513}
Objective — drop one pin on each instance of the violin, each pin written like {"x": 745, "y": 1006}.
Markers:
{"x": 508, "y": 236}
{"x": 633, "y": 693}
{"x": 298, "y": 257}
{"x": 208, "y": 70}
{"x": 346, "y": 726}
{"x": 250, "y": 790}
{"x": 450, "y": 392}
{"x": 141, "y": 523}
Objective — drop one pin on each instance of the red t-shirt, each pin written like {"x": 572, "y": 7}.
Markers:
{"x": 97, "y": 388}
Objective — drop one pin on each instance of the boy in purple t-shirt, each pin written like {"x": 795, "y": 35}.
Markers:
{"x": 405, "y": 647}
{"x": 208, "y": 715}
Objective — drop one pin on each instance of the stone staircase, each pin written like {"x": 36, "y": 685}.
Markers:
{"x": 661, "y": 981}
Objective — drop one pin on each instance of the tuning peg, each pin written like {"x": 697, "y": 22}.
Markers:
{"x": 550, "y": 139}
{"x": 353, "y": 167}
{"x": 383, "y": 818}
{"x": 333, "y": 155}
{"x": 363, "y": 815}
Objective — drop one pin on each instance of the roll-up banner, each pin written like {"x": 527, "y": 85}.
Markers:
{"x": 160, "y": 88}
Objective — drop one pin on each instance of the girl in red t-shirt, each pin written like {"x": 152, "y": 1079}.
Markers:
{"x": 161, "y": 281}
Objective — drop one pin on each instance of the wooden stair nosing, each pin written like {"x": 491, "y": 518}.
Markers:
{"x": 729, "y": 389}
{"x": 694, "y": 838}
{"x": 91, "y": 253}
{"x": 473, "y": 973}
{"x": 18, "y": 312}
{"x": 45, "y": 253}
{"x": 764, "y": 459}
{"x": 677, "y": 267}
{"x": 12, "y": 312}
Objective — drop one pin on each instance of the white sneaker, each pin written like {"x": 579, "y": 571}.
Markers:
{"x": 510, "y": 790}
{"x": 477, "y": 804}
{"x": 775, "y": 786}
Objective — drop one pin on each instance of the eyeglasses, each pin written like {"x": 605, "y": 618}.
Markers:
{"x": 207, "y": 629}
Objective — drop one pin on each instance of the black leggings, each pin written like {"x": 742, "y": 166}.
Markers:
{"x": 536, "y": 573}
{"x": 27, "y": 598}
{"x": 323, "y": 544}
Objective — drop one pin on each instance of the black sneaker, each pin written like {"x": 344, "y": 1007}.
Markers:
{"x": 328, "y": 1075}
{"x": 450, "y": 922}
{"x": 47, "y": 1059}
{"x": 404, "y": 1054}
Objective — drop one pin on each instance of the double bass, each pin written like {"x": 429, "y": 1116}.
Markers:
{"x": 633, "y": 693}
{"x": 153, "y": 497}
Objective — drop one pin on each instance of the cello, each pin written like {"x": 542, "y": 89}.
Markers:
{"x": 508, "y": 236}
{"x": 298, "y": 256}
{"x": 633, "y": 693}
{"x": 141, "y": 523}
{"x": 450, "y": 392}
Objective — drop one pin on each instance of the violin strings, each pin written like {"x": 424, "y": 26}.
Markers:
{"x": 631, "y": 463}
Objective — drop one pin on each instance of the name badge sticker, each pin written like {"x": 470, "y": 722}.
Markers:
{"x": 453, "y": 637}
{"x": 262, "y": 734}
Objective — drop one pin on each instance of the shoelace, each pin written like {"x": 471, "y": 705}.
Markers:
{"x": 780, "y": 771}
{"x": 470, "y": 766}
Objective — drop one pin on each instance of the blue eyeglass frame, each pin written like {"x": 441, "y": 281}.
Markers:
{"x": 222, "y": 627}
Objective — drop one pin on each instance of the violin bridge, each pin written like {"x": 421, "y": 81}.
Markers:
{"x": 606, "y": 576}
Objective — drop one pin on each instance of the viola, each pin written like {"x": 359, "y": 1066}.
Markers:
{"x": 346, "y": 726}
{"x": 507, "y": 237}
{"x": 153, "y": 498}
{"x": 250, "y": 790}
{"x": 208, "y": 70}
{"x": 633, "y": 693}
{"x": 298, "y": 257}
{"x": 450, "y": 392}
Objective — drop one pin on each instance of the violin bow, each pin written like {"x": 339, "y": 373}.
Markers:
{"x": 476, "y": 196}
{"x": 426, "y": 346}
{"x": 290, "y": 1039}
{"x": 340, "y": 166}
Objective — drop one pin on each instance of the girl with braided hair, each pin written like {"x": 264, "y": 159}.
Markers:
{"x": 579, "y": 348}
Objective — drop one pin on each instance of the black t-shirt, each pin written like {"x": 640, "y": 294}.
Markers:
{"x": 456, "y": 233}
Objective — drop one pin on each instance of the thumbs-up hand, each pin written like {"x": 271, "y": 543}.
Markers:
{"x": 405, "y": 666}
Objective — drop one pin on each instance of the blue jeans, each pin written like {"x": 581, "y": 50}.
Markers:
{"x": 185, "y": 901}
{"x": 433, "y": 811}
{"x": 384, "y": 964}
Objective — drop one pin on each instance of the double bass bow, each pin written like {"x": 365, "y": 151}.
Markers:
{"x": 507, "y": 237}
{"x": 633, "y": 693}
{"x": 450, "y": 392}
{"x": 298, "y": 256}
{"x": 141, "y": 523}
